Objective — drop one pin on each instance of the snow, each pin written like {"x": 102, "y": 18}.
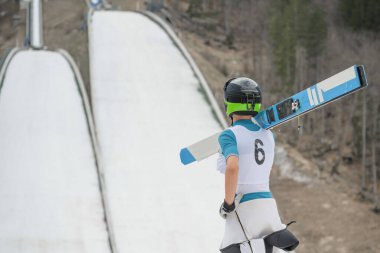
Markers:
{"x": 287, "y": 165}
{"x": 50, "y": 198}
{"x": 147, "y": 106}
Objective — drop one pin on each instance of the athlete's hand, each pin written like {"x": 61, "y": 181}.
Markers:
{"x": 226, "y": 209}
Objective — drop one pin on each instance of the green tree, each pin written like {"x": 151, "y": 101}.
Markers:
{"x": 360, "y": 15}
{"x": 295, "y": 23}
{"x": 195, "y": 7}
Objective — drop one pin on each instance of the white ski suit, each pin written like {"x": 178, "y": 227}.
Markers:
{"x": 257, "y": 210}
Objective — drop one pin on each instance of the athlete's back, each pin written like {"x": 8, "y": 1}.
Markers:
{"x": 255, "y": 148}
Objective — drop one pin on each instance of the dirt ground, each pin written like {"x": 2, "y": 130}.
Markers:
{"x": 329, "y": 219}
{"x": 330, "y": 216}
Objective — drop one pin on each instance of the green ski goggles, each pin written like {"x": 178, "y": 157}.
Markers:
{"x": 245, "y": 108}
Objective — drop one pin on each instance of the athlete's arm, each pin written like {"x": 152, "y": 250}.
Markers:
{"x": 228, "y": 146}
{"x": 231, "y": 177}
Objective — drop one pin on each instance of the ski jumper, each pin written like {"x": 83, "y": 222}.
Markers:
{"x": 257, "y": 211}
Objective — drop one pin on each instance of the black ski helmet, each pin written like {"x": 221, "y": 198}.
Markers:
{"x": 242, "y": 96}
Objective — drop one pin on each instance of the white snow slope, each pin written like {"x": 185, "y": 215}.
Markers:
{"x": 147, "y": 105}
{"x": 49, "y": 193}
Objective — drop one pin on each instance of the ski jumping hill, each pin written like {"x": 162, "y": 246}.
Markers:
{"x": 147, "y": 104}
{"x": 49, "y": 186}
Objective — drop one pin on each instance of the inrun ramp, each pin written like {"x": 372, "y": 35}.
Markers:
{"x": 49, "y": 191}
{"x": 147, "y": 104}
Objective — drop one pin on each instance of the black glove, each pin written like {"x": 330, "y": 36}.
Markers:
{"x": 225, "y": 209}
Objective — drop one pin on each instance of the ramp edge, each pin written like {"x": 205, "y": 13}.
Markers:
{"x": 5, "y": 63}
{"x": 193, "y": 65}
{"x": 95, "y": 146}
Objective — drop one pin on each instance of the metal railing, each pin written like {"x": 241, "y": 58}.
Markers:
{"x": 34, "y": 24}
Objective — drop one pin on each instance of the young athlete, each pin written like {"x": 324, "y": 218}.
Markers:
{"x": 246, "y": 158}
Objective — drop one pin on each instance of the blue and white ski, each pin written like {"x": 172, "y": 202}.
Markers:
{"x": 316, "y": 96}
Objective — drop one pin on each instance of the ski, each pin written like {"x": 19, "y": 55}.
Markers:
{"x": 329, "y": 90}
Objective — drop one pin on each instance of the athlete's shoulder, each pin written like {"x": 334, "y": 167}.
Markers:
{"x": 227, "y": 135}
{"x": 227, "y": 143}
{"x": 270, "y": 133}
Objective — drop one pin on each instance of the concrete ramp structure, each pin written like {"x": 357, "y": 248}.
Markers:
{"x": 147, "y": 104}
{"x": 49, "y": 186}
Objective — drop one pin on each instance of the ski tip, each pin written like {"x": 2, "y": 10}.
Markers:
{"x": 186, "y": 156}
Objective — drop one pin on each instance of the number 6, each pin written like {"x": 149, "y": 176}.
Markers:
{"x": 259, "y": 150}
